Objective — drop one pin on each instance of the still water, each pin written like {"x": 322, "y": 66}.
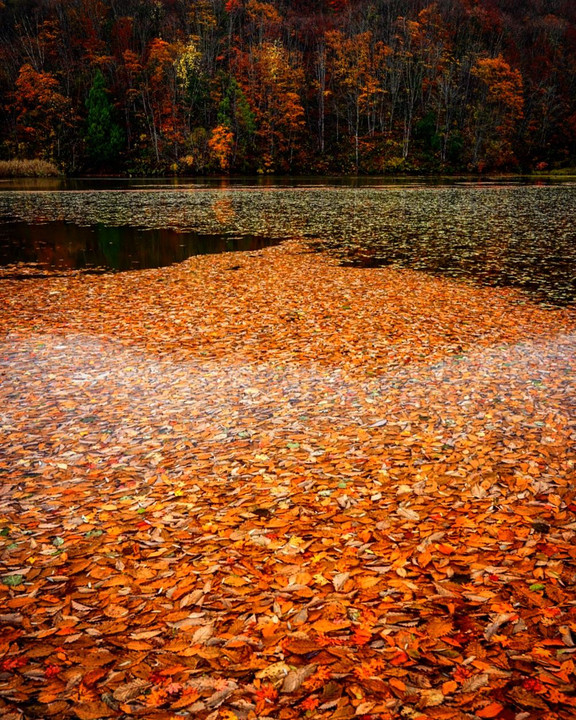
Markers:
{"x": 495, "y": 232}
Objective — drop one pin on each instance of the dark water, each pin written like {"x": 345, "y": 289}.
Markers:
{"x": 59, "y": 245}
{"x": 496, "y": 232}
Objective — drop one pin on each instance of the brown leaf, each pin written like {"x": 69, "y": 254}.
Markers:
{"x": 294, "y": 679}
{"x": 11, "y": 619}
{"x": 130, "y": 690}
{"x": 526, "y": 699}
{"x": 475, "y": 682}
{"x": 339, "y": 580}
{"x": 202, "y": 635}
{"x": 220, "y": 696}
{"x": 430, "y": 698}
{"x": 438, "y": 627}
{"x": 300, "y": 646}
{"x": 496, "y": 624}
{"x": 93, "y": 710}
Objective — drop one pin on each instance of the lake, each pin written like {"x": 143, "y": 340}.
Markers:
{"x": 497, "y": 232}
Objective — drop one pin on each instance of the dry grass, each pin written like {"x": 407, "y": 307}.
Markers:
{"x": 27, "y": 168}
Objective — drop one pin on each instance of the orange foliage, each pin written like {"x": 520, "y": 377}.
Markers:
{"x": 504, "y": 84}
{"x": 226, "y": 490}
{"x": 221, "y": 144}
{"x": 42, "y": 111}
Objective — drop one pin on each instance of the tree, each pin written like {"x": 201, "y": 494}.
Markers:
{"x": 234, "y": 113}
{"x": 104, "y": 137}
{"x": 356, "y": 64}
{"x": 43, "y": 114}
{"x": 499, "y": 107}
{"x": 158, "y": 93}
{"x": 221, "y": 144}
{"x": 272, "y": 82}
{"x": 332, "y": 85}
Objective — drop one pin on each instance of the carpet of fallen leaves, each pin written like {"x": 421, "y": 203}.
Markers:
{"x": 263, "y": 485}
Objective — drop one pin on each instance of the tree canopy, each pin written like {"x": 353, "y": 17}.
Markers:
{"x": 333, "y": 86}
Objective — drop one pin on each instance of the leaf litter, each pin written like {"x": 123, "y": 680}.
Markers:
{"x": 295, "y": 490}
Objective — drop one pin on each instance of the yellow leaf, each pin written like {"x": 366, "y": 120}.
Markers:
{"x": 319, "y": 579}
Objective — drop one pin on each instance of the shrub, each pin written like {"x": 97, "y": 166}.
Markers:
{"x": 27, "y": 168}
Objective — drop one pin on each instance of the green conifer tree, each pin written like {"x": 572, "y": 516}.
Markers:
{"x": 104, "y": 137}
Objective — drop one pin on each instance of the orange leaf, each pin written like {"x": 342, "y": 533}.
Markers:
{"x": 188, "y": 698}
{"x": 437, "y": 627}
{"x": 269, "y": 629}
{"x": 235, "y": 580}
{"x": 116, "y": 611}
{"x": 490, "y": 711}
{"x": 398, "y": 684}
{"x": 368, "y": 582}
{"x": 445, "y": 549}
{"x": 424, "y": 558}
{"x": 93, "y": 710}
{"x": 138, "y": 645}
{"x": 326, "y": 626}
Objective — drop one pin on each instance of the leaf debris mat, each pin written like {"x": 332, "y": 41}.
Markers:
{"x": 287, "y": 490}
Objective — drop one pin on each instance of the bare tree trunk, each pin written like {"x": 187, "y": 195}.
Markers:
{"x": 321, "y": 76}
{"x": 356, "y": 134}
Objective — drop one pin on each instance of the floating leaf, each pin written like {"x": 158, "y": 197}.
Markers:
{"x": 369, "y": 566}
{"x": 12, "y": 580}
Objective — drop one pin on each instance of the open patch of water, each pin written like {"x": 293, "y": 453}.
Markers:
{"x": 59, "y": 245}
{"x": 494, "y": 233}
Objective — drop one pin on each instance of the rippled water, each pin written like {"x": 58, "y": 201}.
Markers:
{"x": 518, "y": 235}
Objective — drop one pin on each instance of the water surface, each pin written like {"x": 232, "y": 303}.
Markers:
{"x": 496, "y": 232}
{"x": 30, "y": 249}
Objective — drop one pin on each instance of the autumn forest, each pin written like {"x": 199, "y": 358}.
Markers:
{"x": 213, "y": 86}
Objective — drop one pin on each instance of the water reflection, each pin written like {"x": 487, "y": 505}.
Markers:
{"x": 66, "y": 246}
{"x": 272, "y": 181}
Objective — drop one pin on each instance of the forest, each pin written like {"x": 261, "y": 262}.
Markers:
{"x": 184, "y": 87}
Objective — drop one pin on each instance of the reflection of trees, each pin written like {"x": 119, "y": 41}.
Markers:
{"x": 60, "y": 245}
{"x": 223, "y": 210}
{"x": 109, "y": 242}
{"x": 53, "y": 245}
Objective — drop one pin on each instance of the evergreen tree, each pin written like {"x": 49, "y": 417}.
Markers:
{"x": 104, "y": 137}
